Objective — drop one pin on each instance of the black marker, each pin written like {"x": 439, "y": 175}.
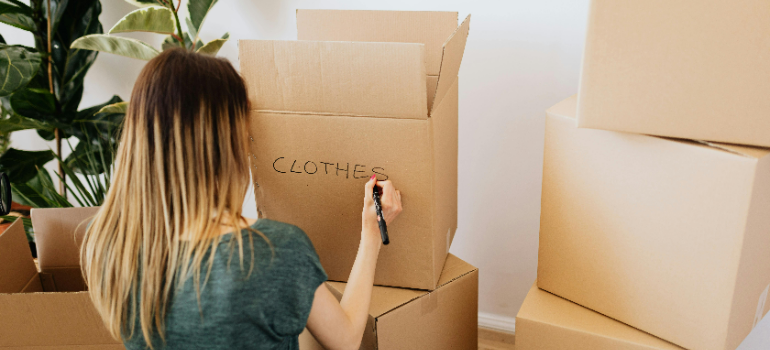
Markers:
{"x": 381, "y": 219}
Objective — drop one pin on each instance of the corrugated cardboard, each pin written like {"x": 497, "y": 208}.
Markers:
{"x": 445, "y": 318}
{"x": 48, "y": 311}
{"x": 695, "y": 69}
{"x": 668, "y": 236}
{"x": 547, "y": 322}
{"x": 326, "y": 115}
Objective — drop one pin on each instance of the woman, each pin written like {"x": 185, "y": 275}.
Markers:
{"x": 158, "y": 257}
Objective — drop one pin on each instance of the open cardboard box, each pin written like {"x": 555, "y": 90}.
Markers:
{"x": 667, "y": 235}
{"x": 547, "y": 322}
{"x": 445, "y": 318}
{"x": 48, "y": 309}
{"x": 690, "y": 69}
{"x": 361, "y": 92}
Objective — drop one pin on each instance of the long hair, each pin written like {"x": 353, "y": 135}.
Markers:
{"x": 182, "y": 171}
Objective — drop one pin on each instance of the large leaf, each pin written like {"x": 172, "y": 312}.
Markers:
{"x": 91, "y": 124}
{"x": 119, "y": 107}
{"x": 116, "y": 45}
{"x": 15, "y": 122}
{"x": 34, "y": 103}
{"x": 38, "y": 192}
{"x": 74, "y": 19}
{"x": 153, "y": 19}
{"x": 21, "y": 166}
{"x": 143, "y": 3}
{"x": 198, "y": 10}
{"x": 17, "y": 14}
{"x": 191, "y": 28}
{"x": 18, "y": 65}
{"x": 170, "y": 42}
{"x": 90, "y": 158}
{"x": 213, "y": 46}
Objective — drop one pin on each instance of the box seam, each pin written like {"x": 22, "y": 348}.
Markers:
{"x": 330, "y": 114}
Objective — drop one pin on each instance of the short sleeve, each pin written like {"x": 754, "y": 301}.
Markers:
{"x": 296, "y": 274}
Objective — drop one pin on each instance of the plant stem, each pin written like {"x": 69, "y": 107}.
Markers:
{"x": 57, "y": 134}
{"x": 178, "y": 24}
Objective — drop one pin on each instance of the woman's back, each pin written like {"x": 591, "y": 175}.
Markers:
{"x": 266, "y": 310}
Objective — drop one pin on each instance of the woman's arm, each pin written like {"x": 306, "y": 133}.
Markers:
{"x": 340, "y": 325}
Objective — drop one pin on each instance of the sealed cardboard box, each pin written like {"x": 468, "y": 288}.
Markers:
{"x": 547, "y": 322}
{"x": 326, "y": 115}
{"x": 445, "y": 318}
{"x": 667, "y": 235}
{"x": 695, "y": 69}
{"x": 48, "y": 309}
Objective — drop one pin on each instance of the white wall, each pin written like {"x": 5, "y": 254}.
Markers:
{"x": 521, "y": 58}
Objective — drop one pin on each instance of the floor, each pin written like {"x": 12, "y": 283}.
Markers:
{"x": 494, "y": 340}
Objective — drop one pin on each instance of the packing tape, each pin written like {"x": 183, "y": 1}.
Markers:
{"x": 429, "y": 303}
{"x": 761, "y": 306}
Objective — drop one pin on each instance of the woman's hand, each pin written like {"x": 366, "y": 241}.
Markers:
{"x": 341, "y": 326}
{"x": 390, "y": 199}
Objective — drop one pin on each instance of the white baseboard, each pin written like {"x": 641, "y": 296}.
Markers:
{"x": 496, "y": 322}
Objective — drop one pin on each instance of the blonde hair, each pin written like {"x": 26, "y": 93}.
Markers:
{"x": 182, "y": 170}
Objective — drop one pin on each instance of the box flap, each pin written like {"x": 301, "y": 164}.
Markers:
{"x": 51, "y": 319}
{"x": 429, "y": 28}
{"x": 546, "y": 308}
{"x": 386, "y": 299}
{"x": 58, "y": 233}
{"x": 746, "y": 151}
{"x": 16, "y": 265}
{"x": 335, "y": 78}
{"x": 451, "y": 58}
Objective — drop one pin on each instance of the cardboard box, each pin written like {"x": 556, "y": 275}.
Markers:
{"x": 446, "y": 318}
{"x": 669, "y": 236}
{"x": 690, "y": 69}
{"x": 48, "y": 309}
{"x": 547, "y": 322}
{"x": 327, "y": 114}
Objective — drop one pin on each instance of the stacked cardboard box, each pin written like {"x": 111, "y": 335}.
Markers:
{"x": 366, "y": 92}
{"x": 361, "y": 92}
{"x": 668, "y": 235}
{"x": 48, "y": 309}
{"x": 445, "y": 318}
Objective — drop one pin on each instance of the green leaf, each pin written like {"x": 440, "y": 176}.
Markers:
{"x": 119, "y": 107}
{"x": 170, "y": 43}
{"x": 17, "y": 14}
{"x": 153, "y": 19}
{"x": 18, "y": 65}
{"x": 198, "y": 10}
{"x": 34, "y": 103}
{"x": 87, "y": 158}
{"x": 143, "y": 3}
{"x": 21, "y": 166}
{"x": 213, "y": 46}
{"x": 191, "y": 28}
{"x": 38, "y": 192}
{"x": 92, "y": 125}
{"x": 78, "y": 18}
{"x": 16, "y": 122}
{"x": 116, "y": 45}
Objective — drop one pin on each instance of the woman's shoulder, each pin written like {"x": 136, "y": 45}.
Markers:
{"x": 283, "y": 235}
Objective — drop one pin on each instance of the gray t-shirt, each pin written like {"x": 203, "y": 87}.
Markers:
{"x": 266, "y": 311}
